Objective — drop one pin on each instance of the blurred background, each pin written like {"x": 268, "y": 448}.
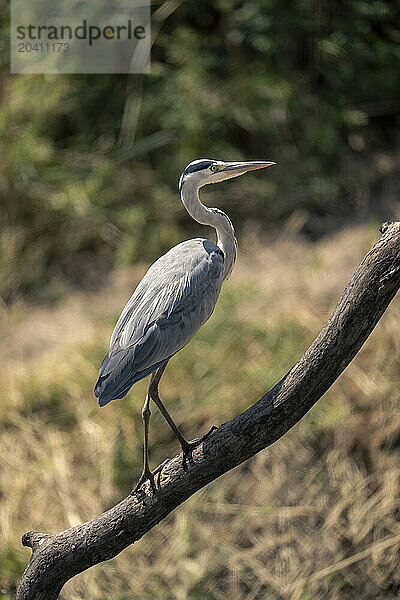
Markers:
{"x": 88, "y": 184}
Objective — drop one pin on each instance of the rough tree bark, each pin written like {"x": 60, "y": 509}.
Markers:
{"x": 58, "y": 557}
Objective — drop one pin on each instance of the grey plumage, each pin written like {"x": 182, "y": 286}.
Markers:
{"x": 174, "y": 299}
{"x": 179, "y": 291}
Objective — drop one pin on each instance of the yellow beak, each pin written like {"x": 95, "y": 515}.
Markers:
{"x": 238, "y": 168}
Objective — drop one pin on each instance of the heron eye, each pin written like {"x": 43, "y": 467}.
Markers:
{"x": 213, "y": 168}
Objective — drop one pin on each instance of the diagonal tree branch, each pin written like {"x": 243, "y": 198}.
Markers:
{"x": 56, "y": 558}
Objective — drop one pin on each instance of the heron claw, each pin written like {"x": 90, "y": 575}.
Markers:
{"x": 148, "y": 475}
{"x": 188, "y": 448}
{"x": 145, "y": 476}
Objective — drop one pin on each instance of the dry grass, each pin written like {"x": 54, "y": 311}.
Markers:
{"x": 315, "y": 516}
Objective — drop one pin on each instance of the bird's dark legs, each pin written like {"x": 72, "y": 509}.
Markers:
{"x": 153, "y": 391}
{"x": 187, "y": 446}
{"x": 146, "y": 420}
{"x": 146, "y": 474}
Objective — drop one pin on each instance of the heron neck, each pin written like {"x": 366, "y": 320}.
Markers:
{"x": 226, "y": 240}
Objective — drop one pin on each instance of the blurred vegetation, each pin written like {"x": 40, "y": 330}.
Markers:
{"x": 89, "y": 164}
{"x": 314, "y": 516}
{"x": 88, "y": 184}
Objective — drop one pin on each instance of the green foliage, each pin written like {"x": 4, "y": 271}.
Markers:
{"x": 12, "y": 565}
{"x": 89, "y": 164}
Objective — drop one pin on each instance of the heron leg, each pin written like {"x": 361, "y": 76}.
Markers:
{"x": 187, "y": 446}
{"x": 153, "y": 392}
{"x": 147, "y": 474}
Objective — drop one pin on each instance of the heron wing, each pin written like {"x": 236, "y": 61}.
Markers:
{"x": 173, "y": 300}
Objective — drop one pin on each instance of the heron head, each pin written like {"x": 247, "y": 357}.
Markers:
{"x": 205, "y": 170}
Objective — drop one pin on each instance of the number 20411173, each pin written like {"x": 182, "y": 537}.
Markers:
{"x": 59, "y": 47}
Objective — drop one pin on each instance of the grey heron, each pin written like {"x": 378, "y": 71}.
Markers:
{"x": 173, "y": 300}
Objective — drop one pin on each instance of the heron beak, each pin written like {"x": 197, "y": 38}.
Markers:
{"x": 238, "y": 168}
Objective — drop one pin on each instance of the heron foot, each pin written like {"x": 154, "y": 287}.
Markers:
{"x": 188, "y": 448}
{"x": 148, "y": 475}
